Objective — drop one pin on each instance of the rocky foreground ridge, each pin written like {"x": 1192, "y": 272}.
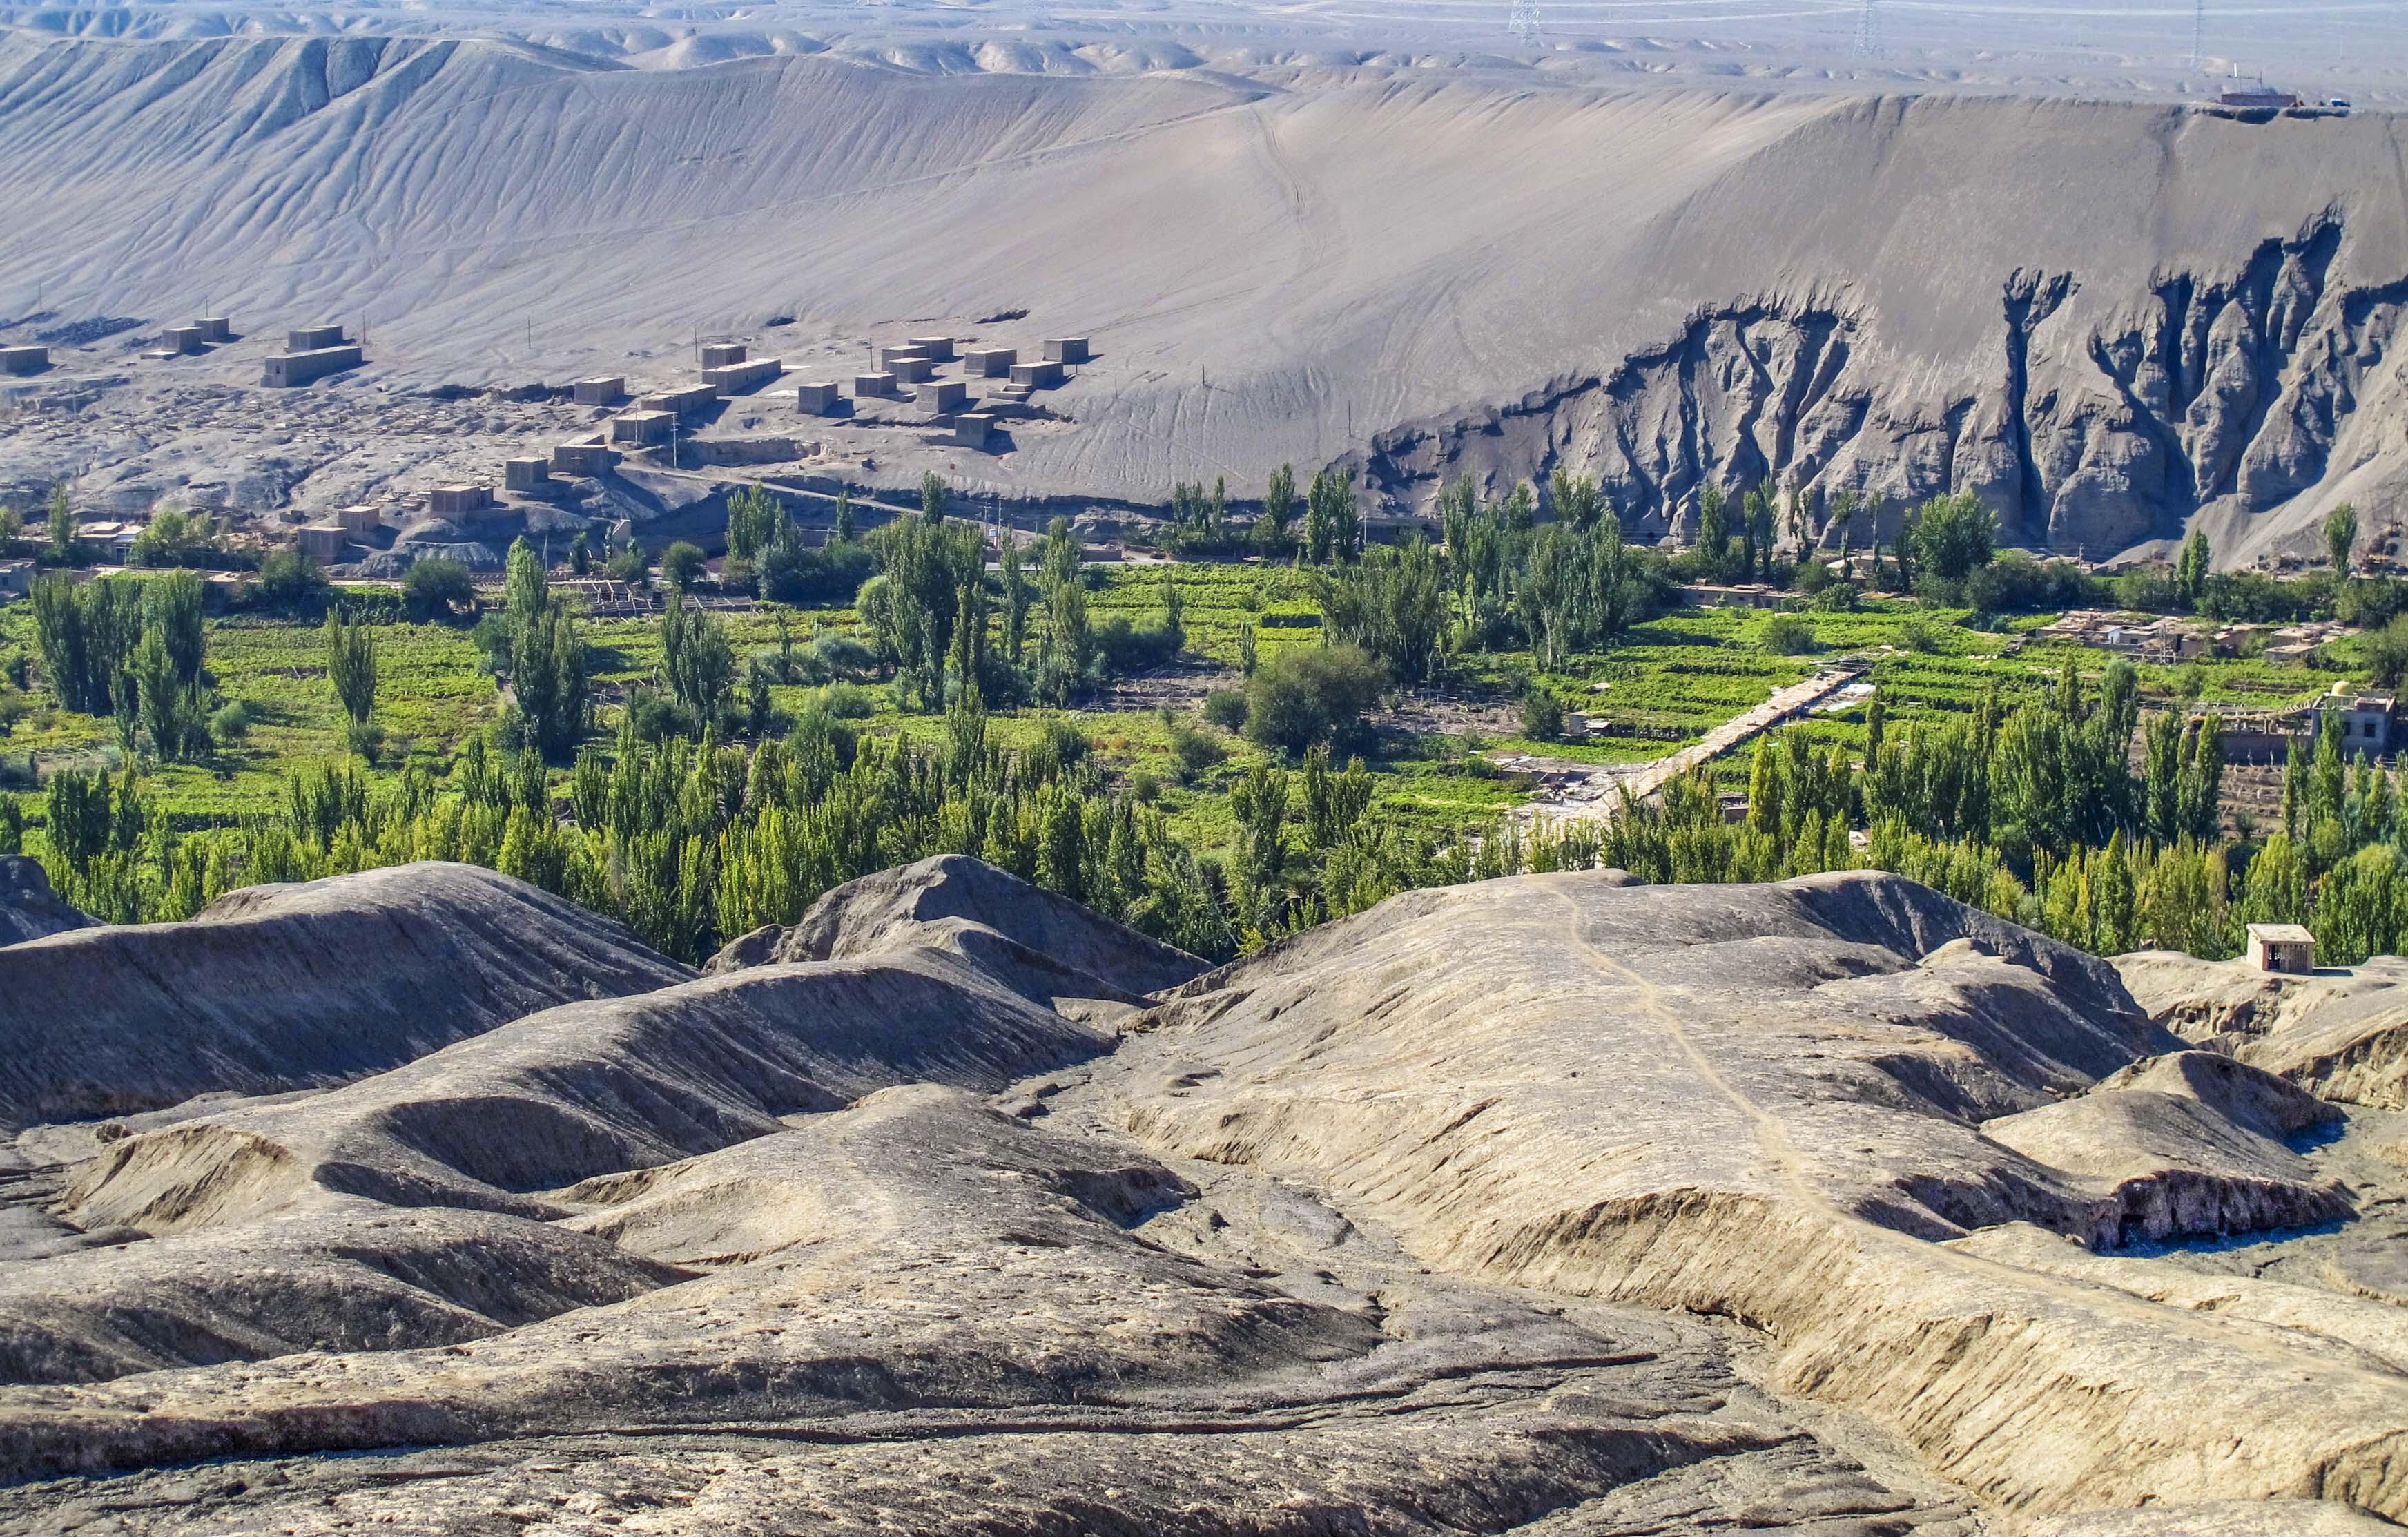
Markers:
{"x": 1559, "y": 1204}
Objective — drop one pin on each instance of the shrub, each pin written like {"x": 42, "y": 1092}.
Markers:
{"x": 833, "y": 573}
{"x": 1310, "y": 694}
{"x": 288, "y": 579}
{"x": 1918, "y": 636}
{"x": 1144, "y": 788}
{"x": 495, "y": 637}
{"x": 2387, "y": 653}
{"x": 1543, "y": 714}
{"x": 2258, "y": 597}
{"x": 437, "y": 589}
{"x": 1952, "y": 537}
{"x": 2152, "y": 590}
{"x": 652, "y": 716}
{"x": 2016, "y": 583}
{"x": 177, "y": 539}
{"x": 843, "y": 656}
{"x": 1126, "y": 648}
{"x": 232, "y": 721}
{"x": 628, "y": 566}
{"x": 2369, "y": 602}
{"x": 1062, "y": 745}
{"x": 367, "y": 738}
{"x": 682, "y": 564}
{"x": 1195, "y": 752}
{"x": 1786, "y": 635}
{"x": 1227, "y": 709}
{"x": 847, "y": 702}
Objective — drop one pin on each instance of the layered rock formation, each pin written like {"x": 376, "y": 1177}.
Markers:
{"x": 1558, "y": 1203}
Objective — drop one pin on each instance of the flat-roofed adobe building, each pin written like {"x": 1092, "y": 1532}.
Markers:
{"x": 2285, "y": 948}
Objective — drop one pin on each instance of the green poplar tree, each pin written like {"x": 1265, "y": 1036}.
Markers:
{"x": 1279, "y": 510}
{"x": 2190, "y": 570}
{"x": 2115, "y": 897}
{"x": 351, "y": 666}
{"x": 2341, "y": 536}
{"x": 63, "y": 525}
{"x": 2276, "y": 888}
{"x": 1715, "y": 531}
{"x": 2161, "y": 758}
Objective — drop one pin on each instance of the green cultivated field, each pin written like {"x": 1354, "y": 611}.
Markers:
{"x": 1673, "y": 679}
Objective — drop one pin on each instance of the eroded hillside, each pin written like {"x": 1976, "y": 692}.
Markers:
{"x": 1557, "y": 1205}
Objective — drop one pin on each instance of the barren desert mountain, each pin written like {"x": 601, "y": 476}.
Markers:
{"x": 2106, "y": 312}
{"x": 1556, "y": 1203}
{"x": 284, "y": 987}
{"x": 1046, "y": 943}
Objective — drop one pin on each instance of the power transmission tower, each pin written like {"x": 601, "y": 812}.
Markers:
{"x": 2197, "y": 32}
{"x": 1868, "y": 31}
{"x": 1523, "y": 22}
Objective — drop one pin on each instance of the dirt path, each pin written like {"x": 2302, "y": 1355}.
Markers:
{"x": 1798, "y": 1182}
{"x": 1586, "y": 791}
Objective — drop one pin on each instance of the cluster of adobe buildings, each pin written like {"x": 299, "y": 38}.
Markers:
{"x": 310, "y": 352}
{"x": 2167, "y": 639}
{"x": 914, "y": 374}
{"x": 190, "y": 338}
{"x": 2365, "y": 721}
{"x": 930, "y": 382}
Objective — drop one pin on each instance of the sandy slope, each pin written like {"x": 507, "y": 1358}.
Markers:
{"x": 1739, "y": 1101}
{"x": 2099, "y": 315}
{"x": 288, "y": 986}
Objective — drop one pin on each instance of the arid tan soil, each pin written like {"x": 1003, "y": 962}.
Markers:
{"x": 1559, "y": 1204}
